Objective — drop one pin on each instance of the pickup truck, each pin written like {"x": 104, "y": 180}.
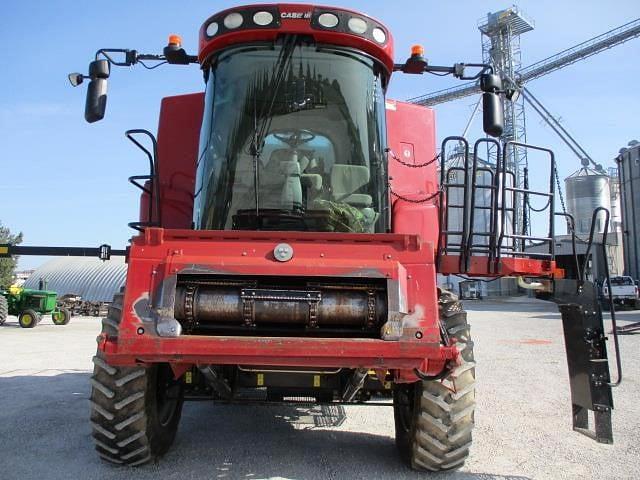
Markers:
{"x": 623, "y": 290}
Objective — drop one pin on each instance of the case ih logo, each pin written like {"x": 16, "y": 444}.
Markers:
{"x": 296, "y": 15}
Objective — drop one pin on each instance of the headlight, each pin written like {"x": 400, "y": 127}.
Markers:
{"x": 262, "y": 18}
{"x": 357, "y": 25}
{"x": 212, "y": 29}
{"x": 379, "y": 35}
{"x": 233, "y": 20}
{"x": 328, "y": 20}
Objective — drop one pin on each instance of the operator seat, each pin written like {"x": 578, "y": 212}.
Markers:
{"x": 347, "y": 179}
{"x": 282, "y": 179}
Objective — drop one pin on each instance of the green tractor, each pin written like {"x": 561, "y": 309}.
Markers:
{"x": 29, "y": 306}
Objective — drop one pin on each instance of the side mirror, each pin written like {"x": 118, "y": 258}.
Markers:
{"x": 75, "y": 79}
{"x": 493, "y": 113}
{"x": 96, "y": 103}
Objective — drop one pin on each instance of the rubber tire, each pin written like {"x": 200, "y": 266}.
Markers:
{"x": 127, "y": 429}
{"x": 434, "y": 419}
{"x": 4, "y": 309}
{"x": 66, "y": 317}
{"x": 35, "y": 318}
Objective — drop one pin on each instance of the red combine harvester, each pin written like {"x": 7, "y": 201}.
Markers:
{"x": 291, "y": 228}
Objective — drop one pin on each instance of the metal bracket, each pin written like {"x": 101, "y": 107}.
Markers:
{"x": 250, "y": 295}
{"x": 188, "y": 308}
{"x": 248, "y": 309}
{"x": 587, "y": 361}
{"x": 371, "y": 308}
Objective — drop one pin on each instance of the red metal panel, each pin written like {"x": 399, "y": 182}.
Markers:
{"x": 161, "y": 253}
{"x": 251, "y": 253}
{"x": 481, "y": 267}
{"x": 178, "y": 136}
{"x": 279, "y": 351}
{"x": 411, "y": 138}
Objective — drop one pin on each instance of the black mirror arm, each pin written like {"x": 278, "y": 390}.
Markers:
{"x": 130, "y": 56}
{"x": 419, "y": 65}
{"x": 171, "y": 55}
{"x": 485, "y": 68}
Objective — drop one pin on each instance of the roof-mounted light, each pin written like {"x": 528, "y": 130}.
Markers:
{"x": 262, "y": 18}
{"x": 328, "y": 20}
{"x": 212, "y": 29}
{"x": 357, "y": 25}
{"x": 175, "y": 40}
{"x": 417, "y": 51}
{"x": 233, "y": 20}
{"x": 379, "y": 35}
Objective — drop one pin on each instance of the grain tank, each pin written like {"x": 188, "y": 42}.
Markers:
{"x": 587, "y": 189}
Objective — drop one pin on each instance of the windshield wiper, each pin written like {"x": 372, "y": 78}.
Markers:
{"x": 259, "y": 133}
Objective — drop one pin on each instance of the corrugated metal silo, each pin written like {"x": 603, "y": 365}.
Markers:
{"x": 587, "y": 190}
{"x": 629, "y": 166}
{"x": 482, "y": 215}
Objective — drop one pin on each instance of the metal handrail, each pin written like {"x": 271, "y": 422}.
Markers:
{"x": 443, "y": 234}
{"x": 525, "y": 191}
{"x": 493, "y": 188}
{"x": 154, "y": 192}
{"x": 612, "y": 310}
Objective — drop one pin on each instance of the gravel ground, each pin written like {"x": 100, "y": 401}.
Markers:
{"x": 522, "y": 431}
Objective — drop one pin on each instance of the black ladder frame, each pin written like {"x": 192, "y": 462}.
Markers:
{"x": 500, "y": 239}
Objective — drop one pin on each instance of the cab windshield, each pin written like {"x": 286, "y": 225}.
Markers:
{"x": 293, "y": 138}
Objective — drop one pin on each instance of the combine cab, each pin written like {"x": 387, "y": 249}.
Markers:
{"x": 292, "y": 224}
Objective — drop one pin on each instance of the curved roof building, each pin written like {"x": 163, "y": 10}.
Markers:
{"x": 91, "y": 278}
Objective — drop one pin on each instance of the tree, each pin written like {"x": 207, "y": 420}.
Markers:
{"x": 8, "y": 265}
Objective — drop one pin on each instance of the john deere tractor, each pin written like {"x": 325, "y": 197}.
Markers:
{"x": 29, "y": 306}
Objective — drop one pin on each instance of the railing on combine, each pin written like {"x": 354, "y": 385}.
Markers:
{"x": 473, "y": 190}
{"x": 150, "y": 185}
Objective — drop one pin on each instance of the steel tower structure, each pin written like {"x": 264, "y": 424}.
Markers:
{"x": 500, "y": 34}
{"x": 586, "y": 49}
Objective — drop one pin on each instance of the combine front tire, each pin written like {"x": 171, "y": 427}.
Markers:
{"x": 434, "y": 419}
{"x": 134, "y": 410}
{"x": 4, "y": 309}
{"x": 28, "y": 318}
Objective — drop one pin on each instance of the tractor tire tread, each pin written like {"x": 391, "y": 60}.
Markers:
{"x": 120, "y": 417}
{"x": 35, "y": 318}
{"x": 4, "y": 309}
{"x": 441, "y": 435}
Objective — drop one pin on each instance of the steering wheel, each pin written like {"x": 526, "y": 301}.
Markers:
{"x": 294, "y": 138}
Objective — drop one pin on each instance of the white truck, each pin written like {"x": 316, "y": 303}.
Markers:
{"x": 624, "y": 291}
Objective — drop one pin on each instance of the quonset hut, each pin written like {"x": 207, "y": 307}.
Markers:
{"x": 91, "y": 278}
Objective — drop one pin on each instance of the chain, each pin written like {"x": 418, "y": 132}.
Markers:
{"x": 411, "y": 165}
{"x": 411, "y": 200}
{"x": 560, "y": 195}
{"x": 570, "y": 228}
